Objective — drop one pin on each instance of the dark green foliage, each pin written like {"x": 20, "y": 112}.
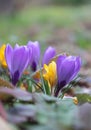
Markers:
{"x": 83, "y": 98}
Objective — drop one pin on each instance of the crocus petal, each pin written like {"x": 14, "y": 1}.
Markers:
{"x": 67, "y": 69}
{"x": 17, "y": 60}
{"x": 35, "y": 54}
{"x": 25, "y": 60}
{"x": 15, "y": 77}
{"x": 77, "y": 67}
{"x": 48, "y": 55}
{"x": 46, "y": 68}
{"x": 18, "y": 54}
{"x": 50, "y": 73}
{"x": 2, "y": 56}
{"x": 60, "y": 60}
{"x": 34, "y": 66}
{"x": 8, "y": 55}
{"x": 77, "y": 64}
{"x": 21, "y": 56}
{"x": 16, "y": 46}
{"x": 35, "y": 50}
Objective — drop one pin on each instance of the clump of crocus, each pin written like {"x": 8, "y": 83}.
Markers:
{"x": 17, "y": 59}
{"x": 2, "y": 56}
{"x": 48, "y": 54}
{"x": 60, "y": 73}
{"x": 67, "y": 69}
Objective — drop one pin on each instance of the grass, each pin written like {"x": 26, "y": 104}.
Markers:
{"x": 39, "y": 23}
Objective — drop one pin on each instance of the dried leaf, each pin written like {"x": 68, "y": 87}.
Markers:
{"x": 5, "y": 83}
{"x": 36, "y": 75}
{"x": 16, "y": 93}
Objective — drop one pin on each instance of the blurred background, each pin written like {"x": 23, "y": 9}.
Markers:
{"x": 64, "y": 24}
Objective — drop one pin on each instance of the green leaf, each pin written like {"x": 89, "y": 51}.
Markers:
{"x": 83, "y": 98}
{"x": 29, "y": 86}
{"x": 35, "y": 84}
{"x": 47, "y": 87}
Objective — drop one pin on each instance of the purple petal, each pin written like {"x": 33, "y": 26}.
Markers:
{"x": 25, "y": 60}
{"x": 16, "y": 46}
{"x": 35, "y": 50}
{"x": 59, "y": 64}
{"x": 66, "y": 71}
{"x": 20, "y": 60}
{"x": 17, "y": 60}
{"x": 34, "y": 66}
{"x": 30, "y": 56}
{"x": 35, "y": 54}
{"x": 77, "y": 61}
{"x": 8, "y": 55}
{"x": 15, "y": 77}
{"x": 67, "y": 68}
{"x": 48, "y": 55}
{"x": 60, "y": 60}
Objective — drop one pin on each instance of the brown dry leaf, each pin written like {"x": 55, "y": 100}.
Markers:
{"x": 4, "y": 125}
{"x": 4, "y": 83}
{"x": 4, "y": 97}
{"x": 36, "y": 75}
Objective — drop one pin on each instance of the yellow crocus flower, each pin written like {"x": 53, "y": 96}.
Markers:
{"x": 2, "y": 56}
{"x": 50, "y": 73}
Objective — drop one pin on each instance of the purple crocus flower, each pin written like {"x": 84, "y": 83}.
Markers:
{"x": 67, "y": 69}
{"x": 48, "y": 55}
{"x": 35, "y": 54}
{"x": 17, "y": 60}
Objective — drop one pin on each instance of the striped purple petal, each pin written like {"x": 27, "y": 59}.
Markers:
{"x": 67, "y": 69}
{"x": 17, "y": 60}
{"x": 48, "y": 55}
{"x": 35, "y": 54}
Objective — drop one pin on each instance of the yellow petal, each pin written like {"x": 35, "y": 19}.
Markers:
{"x": 50, "y": 74}
{"x": 46, "y": 68}
{"x": 2, "y": 56}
